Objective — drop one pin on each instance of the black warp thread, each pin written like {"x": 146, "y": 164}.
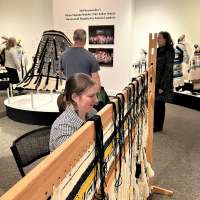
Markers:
{"x": 57, "y": 79}
{"x": 118, "y": 180}
{"x": 55, "y": 49}
{"x": 122, "y": 132}
{"x": 99, "y": 153}
{"x": 44, "y": 47}
{"x": 115, "y": 134}
{"x": 42, "y": 61}
{"x": 22, "y": 67}
{"x": 39, "y": 81}
{"x": 39, "y": 71}
{"x": 48, "y": 72}
{"x": 129, "y": 120}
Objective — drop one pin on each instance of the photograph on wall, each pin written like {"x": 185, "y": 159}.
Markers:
{"x": 101, "y": 34}
{"x": 104, "y": 56}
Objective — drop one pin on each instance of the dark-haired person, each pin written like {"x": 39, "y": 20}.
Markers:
{"x": 164, "y": 77}
{"x": 79, "y": 60}
{"x": 79, "y": 99}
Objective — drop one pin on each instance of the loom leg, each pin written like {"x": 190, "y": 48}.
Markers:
{"x": 159, "y": 190}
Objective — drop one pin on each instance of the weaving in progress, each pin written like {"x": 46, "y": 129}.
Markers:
{"x": 119, "y": 145}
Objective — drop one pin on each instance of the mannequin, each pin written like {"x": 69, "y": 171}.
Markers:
{"x": 194, "y": 70}
{"x": 21, "y": 54}
{"x": 180, "y": 62}
{"x": 141, "y": 64}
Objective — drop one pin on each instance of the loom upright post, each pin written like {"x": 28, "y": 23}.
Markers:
{"x": 151, "y": 100}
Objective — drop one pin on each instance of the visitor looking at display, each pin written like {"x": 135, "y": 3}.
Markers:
{"x": 80, "y": 97}
{"x": 78, "y": 60}
{"x": 11, "y": 61}
{"x": 164, "y": 78}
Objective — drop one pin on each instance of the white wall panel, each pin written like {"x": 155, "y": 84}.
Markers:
{"x": 116, "y": 77}
{"x": 26, "y": 20}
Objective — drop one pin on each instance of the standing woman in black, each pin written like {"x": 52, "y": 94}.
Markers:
{"x": 164, "y": 77}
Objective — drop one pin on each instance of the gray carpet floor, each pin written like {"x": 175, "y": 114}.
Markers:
{"x": 176, "y": 153}
{"x": 9, "y": 131}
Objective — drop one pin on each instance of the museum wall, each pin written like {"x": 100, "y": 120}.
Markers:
{"x": 69, "y": 15}
{"x": 174, "y": 16}
{"x": 25, "y": 20}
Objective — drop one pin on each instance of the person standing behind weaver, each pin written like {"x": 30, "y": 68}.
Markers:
{"x": 78, "y": 60}
{"x": 164, "y": 78}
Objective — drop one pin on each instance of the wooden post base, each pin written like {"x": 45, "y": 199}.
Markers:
{"x": 159, "y": 190}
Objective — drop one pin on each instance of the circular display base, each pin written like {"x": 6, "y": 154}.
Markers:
{"x": 40, "y": 109}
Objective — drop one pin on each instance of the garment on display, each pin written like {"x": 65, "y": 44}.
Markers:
{"x": 180, "y": 69}
{"x": 22, "y": 60}
{"x": 194, "y": 69}
{"x": 141, "y": 65}
{"x": 45, "y": 73}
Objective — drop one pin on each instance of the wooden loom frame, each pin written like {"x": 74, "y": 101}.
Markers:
{"x": 151, "y": 99}
{"x": 38, "y": 184}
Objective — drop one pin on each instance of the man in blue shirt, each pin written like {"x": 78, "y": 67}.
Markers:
{"x": 78, "y": 60}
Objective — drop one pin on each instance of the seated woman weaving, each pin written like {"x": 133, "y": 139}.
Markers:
{"x": 79, "y": 98}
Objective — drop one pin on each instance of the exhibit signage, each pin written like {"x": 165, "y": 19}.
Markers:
{"x": 90, "y": 14}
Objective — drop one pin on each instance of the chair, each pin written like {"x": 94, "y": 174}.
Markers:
{"x": 30, "y": 147}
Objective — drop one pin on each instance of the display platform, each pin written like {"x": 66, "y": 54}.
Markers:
{"x": 187, "y": 99}
{"x": 37, "y": 108}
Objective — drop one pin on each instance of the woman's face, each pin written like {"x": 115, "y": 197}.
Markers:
{"x": 86, "y": 100}
{"x": 161, "y": 40}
